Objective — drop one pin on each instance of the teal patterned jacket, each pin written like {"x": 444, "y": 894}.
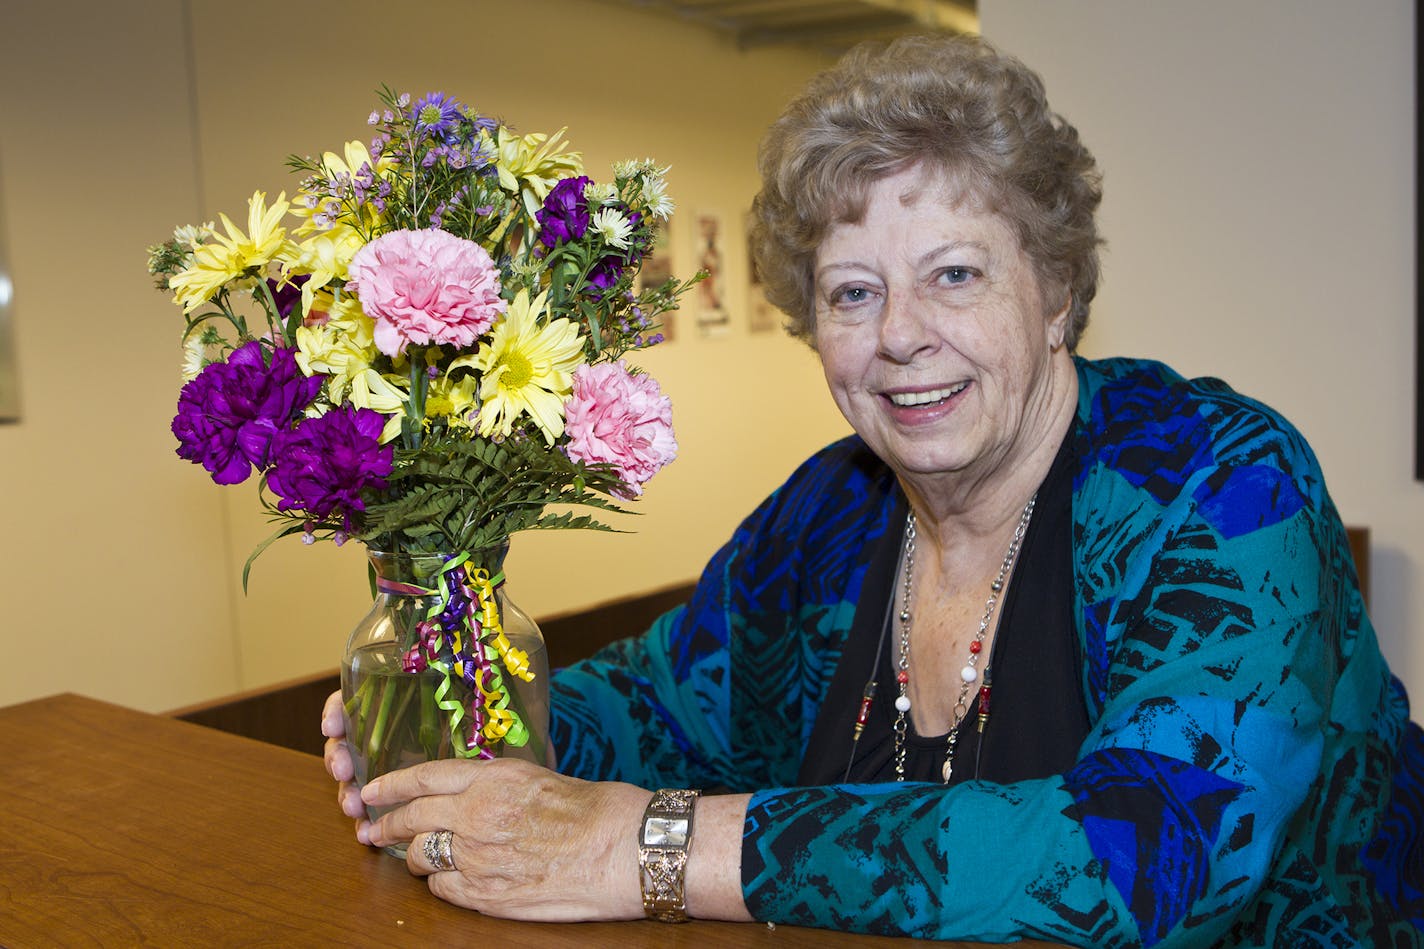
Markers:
{"x": 1251, "y": 776}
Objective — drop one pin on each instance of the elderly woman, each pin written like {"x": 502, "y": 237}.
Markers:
{"x": 1050, "y": 648}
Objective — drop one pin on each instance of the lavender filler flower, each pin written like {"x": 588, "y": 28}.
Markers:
{"x": 228, "y": 415}
{"x": 325, "y": 463}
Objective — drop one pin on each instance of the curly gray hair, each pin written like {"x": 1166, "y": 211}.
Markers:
{"x": 953, "y": 104}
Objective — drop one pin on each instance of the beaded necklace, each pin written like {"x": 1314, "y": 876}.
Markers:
{"x": 967, "y": 675}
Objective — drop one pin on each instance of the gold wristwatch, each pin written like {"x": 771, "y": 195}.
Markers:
{"x": 663, "y": 843}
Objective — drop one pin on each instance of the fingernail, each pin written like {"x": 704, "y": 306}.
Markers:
{"x": 369, "y": 791}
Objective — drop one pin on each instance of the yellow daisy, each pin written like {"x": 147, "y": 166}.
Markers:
{"x": 325, "y": 259}
{"x": 340, "y": 347}
{"x": 452, "y": 399}
{"x": 371, "y": 390}
{"x": 529, "y": 165}
{"x": 526, "y": 369}
{"x": 233, "y": 254}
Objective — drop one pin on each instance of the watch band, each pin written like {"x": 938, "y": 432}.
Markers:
{"x": 663, "y": 842}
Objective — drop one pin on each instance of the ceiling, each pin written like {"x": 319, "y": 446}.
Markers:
{"x": 829, "y": 26}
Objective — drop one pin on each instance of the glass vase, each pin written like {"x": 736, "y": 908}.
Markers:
{"x": 409, "y": 699}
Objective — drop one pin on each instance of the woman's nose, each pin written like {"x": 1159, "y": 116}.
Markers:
{"x": 905, "y": 329}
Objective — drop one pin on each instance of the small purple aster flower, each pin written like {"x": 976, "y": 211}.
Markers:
{"x": 229, "y": 414}
{"x": 564, "y": 216}
{"x": 324, "y": 464}
{"x": 437, "y": 115}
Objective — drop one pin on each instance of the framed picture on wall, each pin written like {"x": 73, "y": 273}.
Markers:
{"x": 711, "y": 293}
{"x": 655, "y": 270}
{"x": 9, "y": 379}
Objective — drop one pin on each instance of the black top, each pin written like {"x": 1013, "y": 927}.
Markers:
{"x": 1037, "y": 717}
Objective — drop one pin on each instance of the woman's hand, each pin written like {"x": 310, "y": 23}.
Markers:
{"x": 338, "y": 762}
{"x": 528, "y": 843}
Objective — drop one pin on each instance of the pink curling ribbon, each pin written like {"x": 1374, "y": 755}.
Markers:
{"x": 396, "y": 588}
{"x": 426, "y": 647}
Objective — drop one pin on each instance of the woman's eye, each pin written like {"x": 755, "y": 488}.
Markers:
{"x": 955, "y": 275}
{"x": 849, "y": 296}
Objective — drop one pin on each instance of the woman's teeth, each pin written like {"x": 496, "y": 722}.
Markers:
{"x": 907, "y": 399}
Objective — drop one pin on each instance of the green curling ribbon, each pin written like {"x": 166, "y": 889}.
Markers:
{"x": 453, "y": 707}
{"x": 455, "y": 710}
{"x": 494, "y": 694}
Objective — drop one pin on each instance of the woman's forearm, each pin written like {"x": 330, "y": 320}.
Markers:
{"x": 714, "y": 862}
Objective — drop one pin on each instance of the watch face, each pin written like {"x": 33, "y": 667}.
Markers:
{"x": 665, "y": 832}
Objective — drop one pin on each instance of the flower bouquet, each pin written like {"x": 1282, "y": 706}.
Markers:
{"x": 423, "y": 351}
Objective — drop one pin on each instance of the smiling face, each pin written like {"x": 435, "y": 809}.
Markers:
{"x": 935, "y": 339}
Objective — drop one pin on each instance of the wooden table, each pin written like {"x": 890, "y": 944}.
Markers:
{"x": 119, "y": 828}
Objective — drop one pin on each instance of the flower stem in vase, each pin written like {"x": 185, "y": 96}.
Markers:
{"x": 375, "y": 742}
{"x": 429, "y": 720}
{"x": 358, "y": 713}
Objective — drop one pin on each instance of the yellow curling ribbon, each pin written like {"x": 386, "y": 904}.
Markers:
{"x": 516, "y": 660}
{"x": 496, "y": 700}
{"x": 501, "y": 722}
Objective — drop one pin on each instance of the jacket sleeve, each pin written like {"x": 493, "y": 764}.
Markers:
{"x": 1215, "y": 626}
{"x": 652, "y": 710}
{"x": 722, "y": 693}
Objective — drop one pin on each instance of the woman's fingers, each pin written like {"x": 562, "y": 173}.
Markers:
{"x": 338, "y": 760}
{"x": 447, "y": 776}
{"x": 333, "y": 718}
{"x": 432, "y": 852}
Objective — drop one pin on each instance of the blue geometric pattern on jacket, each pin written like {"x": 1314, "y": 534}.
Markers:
{"x": 1240, "y": 785}
{"x": 1150, "y": 819}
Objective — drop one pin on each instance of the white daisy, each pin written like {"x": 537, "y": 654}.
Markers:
{"x": 655, "y": 196}
{"x": 613, "y": 226}
{"x": 599, "y": 194}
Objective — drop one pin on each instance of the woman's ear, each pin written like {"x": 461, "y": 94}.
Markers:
{"x": 1058, "y": 325}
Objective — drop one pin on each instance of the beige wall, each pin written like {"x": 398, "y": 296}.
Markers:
{"x": 1259, "y": 206}
{"x": 120, "y": 573}
{"x": 1259, "y": 209}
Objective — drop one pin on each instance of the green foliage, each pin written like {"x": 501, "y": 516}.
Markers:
{"x": 458, "y": 494}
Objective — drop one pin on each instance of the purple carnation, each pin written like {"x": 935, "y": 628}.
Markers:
{"x": 323, "y": 465}
{"x": 564, "y": 216}
{"x": 604, "y": 276}
{"x": 229, "y": 413}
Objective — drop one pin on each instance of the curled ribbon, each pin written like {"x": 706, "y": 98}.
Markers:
{"x": 465, "y": 615}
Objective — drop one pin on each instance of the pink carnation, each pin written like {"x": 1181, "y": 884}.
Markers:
{"x": 426, "y": 287}
{"x": 616, "y": 417}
